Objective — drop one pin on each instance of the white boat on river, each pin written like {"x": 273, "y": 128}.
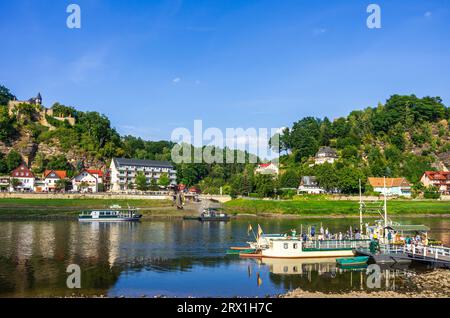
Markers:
{"x": 296, "y": 247}
{"x": 113, "y": 214}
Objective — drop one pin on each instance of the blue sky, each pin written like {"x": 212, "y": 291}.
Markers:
{"x": 152, "y": 66}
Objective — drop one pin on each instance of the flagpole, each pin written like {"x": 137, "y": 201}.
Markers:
{"x": 254, "y": 234}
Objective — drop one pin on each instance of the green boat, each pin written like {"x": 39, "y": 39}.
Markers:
{"x": 351, "y": 261}
{"x": 237, "y": 252}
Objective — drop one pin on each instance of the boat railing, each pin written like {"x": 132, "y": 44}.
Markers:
{"x": 435, "y": 252}
{"x": 427, "y": 251}
{"x": 336, "y": 244}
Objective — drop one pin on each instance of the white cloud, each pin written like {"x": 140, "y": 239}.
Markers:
{"x": 176, "y": 80}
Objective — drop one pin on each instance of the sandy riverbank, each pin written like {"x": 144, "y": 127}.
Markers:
{"x": 435, "y": 284}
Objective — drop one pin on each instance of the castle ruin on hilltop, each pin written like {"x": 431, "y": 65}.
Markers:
{"x": 42, "y": 111}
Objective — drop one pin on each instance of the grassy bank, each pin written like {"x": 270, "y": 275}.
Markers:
{"x": 330, "y": 208}
{"x": 24, "y": 208}
{"x": 17, "y": 207}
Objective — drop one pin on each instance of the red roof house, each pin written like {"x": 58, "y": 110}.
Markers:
{"x": 439, "y": 179}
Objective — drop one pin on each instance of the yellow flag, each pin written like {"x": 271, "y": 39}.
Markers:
{"x": 249, "y": 229}
{"x": 260, "y": 231}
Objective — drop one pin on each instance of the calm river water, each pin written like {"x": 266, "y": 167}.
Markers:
{"x": 172, "y": 258}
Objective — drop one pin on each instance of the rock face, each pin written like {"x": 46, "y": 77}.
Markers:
{"x": 28, "y": 148}
{"x": 24, "y": 145}
{"x": 75, "y": 157}
{"x": 444, "y": 159}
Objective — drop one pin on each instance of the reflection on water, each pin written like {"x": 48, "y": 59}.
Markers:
{"x": 173, "y": 258}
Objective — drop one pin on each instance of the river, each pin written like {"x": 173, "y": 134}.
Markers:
{"x": 174, "y": 258}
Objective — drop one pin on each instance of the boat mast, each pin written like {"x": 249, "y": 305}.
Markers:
{"x": 360, "y": 209}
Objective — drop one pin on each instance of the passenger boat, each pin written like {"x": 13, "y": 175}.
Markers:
{"x": 213, "y": 215}
{"x": 114, "y": 213}
{"x": 209, "y": 214}
{"x": 296, "y": 248}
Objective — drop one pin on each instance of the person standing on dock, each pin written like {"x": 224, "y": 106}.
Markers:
{"x": 389, "y": 237}
{"x": 374, "y": 246}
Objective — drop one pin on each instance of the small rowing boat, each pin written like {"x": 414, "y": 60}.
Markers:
{"x": 352, "y": 261}
{"x": 239, "y": 252}
{"x": 240, "y": 248}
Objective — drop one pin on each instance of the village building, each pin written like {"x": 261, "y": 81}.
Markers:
{"x": 124, "y": 172}
{"x": 25, "y": 179}
{"x": 394, "y": 186}
{"x": 4, "y": 183}
{"x": 267, "y": 168}
{"x": 310, "y": 185}
{"x": 50, "y": 181}
{"x": 439, "y": 179}
{"x": 325, "y": 155}
{"x": 89, "y": 181}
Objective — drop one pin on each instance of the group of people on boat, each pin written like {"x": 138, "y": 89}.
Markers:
{"x": 416, "y": 240}
{"x": 325, "y": 234}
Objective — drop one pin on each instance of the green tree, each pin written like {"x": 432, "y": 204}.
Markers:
{"x": 141, "y": 181}
{"x": 58, "y": 162}
{"x": 14, "y": 183}
{"x": 164, "y": 180}
{"x": 5, "y": 95}
{"x": 304, "y": 136}
{"x": 327, "y": 177}
{"x": 153, "y": 185}
{"x": 6, "y": 125}
{"x": 62, "y": 184}
{"x": 3, "y": 164}
{"x": 265, "y": 185}
{"x": 431, "y": 192}
{"x": 348, "y": 180}
{"x": 289, "y": 179}
{"x": 83, "y": 186}
{"x": 13, "y": 160}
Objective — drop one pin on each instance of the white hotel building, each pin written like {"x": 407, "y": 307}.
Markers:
{"x": 123, "y": 171}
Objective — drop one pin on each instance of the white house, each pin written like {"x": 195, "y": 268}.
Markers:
{"x": 439, "y": 179}
{"x": 25, "y": 178}
{"x": 325, "y": 154}
{"x": 267, "y": 168}
{"x": 124, "y": 171}
{"x": 87, "y": 181}
{"x": 310, "y": 185}
{"x": 51, "y": 178}
{"x": 394, "y": 186}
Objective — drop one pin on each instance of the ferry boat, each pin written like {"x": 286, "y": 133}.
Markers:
{"x": 209, "y": 214}
{"x": 114, "y": 213}
{"x": 295, "y": 247}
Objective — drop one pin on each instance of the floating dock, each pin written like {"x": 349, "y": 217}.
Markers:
{"x": 438, "y": 256}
